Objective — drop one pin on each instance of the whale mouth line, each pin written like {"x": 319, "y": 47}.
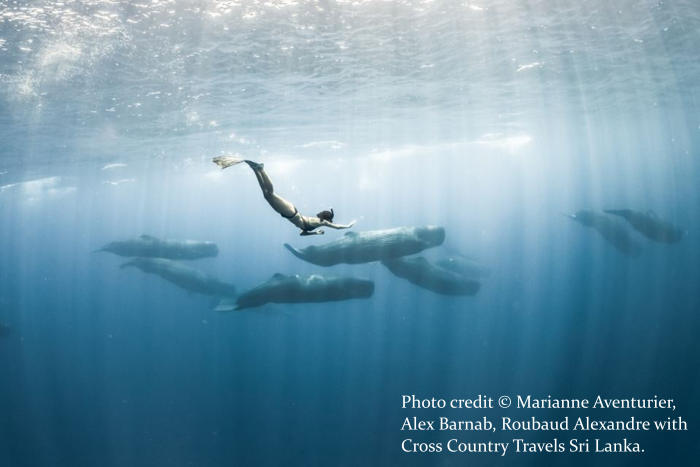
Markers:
{"x": 130, "y": 263}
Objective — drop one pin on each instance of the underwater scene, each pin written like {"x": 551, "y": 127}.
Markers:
{"x": 241, "y": 233}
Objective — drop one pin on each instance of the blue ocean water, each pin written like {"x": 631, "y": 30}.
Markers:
{"x": 491, "y": 119}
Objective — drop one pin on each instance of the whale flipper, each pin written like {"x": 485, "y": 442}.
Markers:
{"x": 226, "y": 304}
{"x": 227, "y": 161}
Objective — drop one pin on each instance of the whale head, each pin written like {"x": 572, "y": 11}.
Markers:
{"x": 208, "y": 249}
{"x": 584, "y": 217}
{"x": 676, "y": 235}
{"x": 361, "y": 288}
{"x": 144, "y": 264}
{"x": 109, "y": 247}
{"x": 205, "y": 249}
{"x": 430, "y": 235}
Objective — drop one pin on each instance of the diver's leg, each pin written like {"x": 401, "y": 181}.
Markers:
{"x": 279, "y": 204}
{"x": 263, "y": 180}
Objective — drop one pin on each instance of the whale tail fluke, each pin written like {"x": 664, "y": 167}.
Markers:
{"x": 294, "y": 251}
{"x": 570, "y": 216}
{"x": 227, "y": 161}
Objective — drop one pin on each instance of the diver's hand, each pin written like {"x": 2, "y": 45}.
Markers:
{"x": 304, "y": 233}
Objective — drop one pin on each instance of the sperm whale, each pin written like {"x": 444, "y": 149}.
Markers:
{"x": 376, "y": 245}
{"x": 281, "y": 288}
{"x": 183, "y": 276}
{"x": 147, "y": 246}
{"x": 649, "y": 225}
{"x": 610, "y": 229}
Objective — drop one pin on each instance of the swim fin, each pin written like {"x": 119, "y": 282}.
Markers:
{"x": 227, "y": 161}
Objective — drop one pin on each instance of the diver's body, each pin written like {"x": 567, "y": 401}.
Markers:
{"x": 307, "y": 224}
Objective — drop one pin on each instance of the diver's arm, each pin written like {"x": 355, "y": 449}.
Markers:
{"x": 337, "y": 226}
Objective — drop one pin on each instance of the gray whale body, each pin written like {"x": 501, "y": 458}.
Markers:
{"x": 315, "y": 288}
{"x": 419, "y": 271}
{"x": 610, "y": 229}
{"x": 147, "y": 246}
{"x": 374, "y": 245}
{"x": 185, "y": 277}
{"x": 649, "y": 225}
{"x": 464, "y": 266}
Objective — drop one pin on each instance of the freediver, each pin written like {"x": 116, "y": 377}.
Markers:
{"x": 286, "y": 209}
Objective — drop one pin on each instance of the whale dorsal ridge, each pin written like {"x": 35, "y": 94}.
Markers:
{"x": 351, "y": 234}
{"x": 277, "y": 276}
{"x": 147, "y": 237}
